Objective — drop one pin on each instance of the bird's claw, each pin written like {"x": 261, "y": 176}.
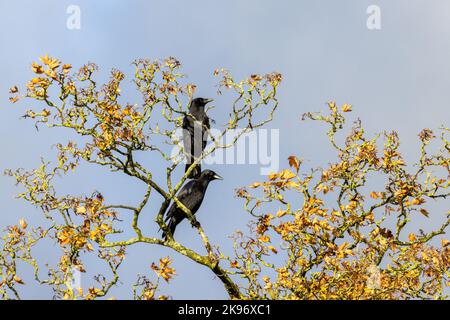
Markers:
{"x": 195, "y": 224}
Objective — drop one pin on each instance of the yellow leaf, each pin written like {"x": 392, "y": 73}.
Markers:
{"x": 23, "y": 224}
{"x": 412, "y": 237}
{"x": 81, "y": 210}
{"x": 17, "y": 279}
{"x": 273, "y": 176}
{"x": 287, "y": 174}
{"x": 37, "y": 68}
{"x": 271, "y": 248}
{"x": 281, "y": 213}
{"x": 264, "y": 239}
{"x": 66, "y": 68}
{"x": 50, "y": 62}
{"x": 346, "y": 108}
{"x": 255, "y": 185}
{"x": 336, "y": 213}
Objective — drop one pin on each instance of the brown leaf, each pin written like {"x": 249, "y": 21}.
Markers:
{"x": 424, "y": 212}
{"x": 294, "y": 162}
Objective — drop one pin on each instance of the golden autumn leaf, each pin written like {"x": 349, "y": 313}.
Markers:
{"x": 95, "y": 291}
{"x": 164, "y": 270}
{"x": 411, "y": 237}
{"x": 66, "y": 68}
{"x": 254, "y": 185}
{"x": 424, "y": 212}
{"x": 281, "y": 213}
{"x": 80, "y": 210}
{"x": 50, "y": 62}
{"x": 287, "y": 174}
{"x": 374, "y": 195}
{"x": 273, "y": 249}
{"x": 45, "y": 113}
{"x": 264, "y": 239}
{"x": 18, "y": 280}
{"x": 13, "y": 99}
{"x": 273, "y": 176}
{"x": 256, "y": 77}
{"x": 37, "y": 68}
{"x": 23, "y": 224}
{"x": 294, "y": 162}
{"x": 346, "y": 108}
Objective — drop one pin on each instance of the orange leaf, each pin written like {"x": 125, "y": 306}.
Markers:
{"x": 294, "y": 162}
{"x": 374, "y": 195}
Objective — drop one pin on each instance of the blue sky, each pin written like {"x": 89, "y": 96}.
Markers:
{"x": 396, "y": 78}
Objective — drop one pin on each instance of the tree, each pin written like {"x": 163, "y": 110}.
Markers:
{"x": 340, "y": 239}
{"x": 320, "y": 233}
{"x": 115, "y": 132}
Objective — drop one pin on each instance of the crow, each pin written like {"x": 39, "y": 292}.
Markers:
{"x": 191, "y": 195}
{"x": 195, "y": 125}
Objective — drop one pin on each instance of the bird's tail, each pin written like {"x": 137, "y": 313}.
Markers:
{"x": 172, "y": 226}
{"x": 195, "y": 173}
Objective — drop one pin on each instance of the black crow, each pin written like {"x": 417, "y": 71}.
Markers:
{"x": 195, "y": 125}
{"x": 191, "y": 195}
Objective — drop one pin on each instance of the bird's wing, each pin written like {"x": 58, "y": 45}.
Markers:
{"x": 206, "y": 127}
{"x": 186, "y": 122}
{"x": 206, "y": 122}
{"x": 183, "y": 196}
{"x": 188, "y": 133}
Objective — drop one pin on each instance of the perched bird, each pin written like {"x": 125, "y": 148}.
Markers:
{"x": 195, "y": 125}
{"x": 191, "y": 195}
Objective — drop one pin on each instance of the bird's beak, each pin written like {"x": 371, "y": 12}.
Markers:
{"x": 208, "y": 100}
{"x": 217, "y": 177}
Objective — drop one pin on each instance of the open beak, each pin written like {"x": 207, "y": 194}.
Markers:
{"x": 208, "y": 100}
{"x": 217, "y": 177}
